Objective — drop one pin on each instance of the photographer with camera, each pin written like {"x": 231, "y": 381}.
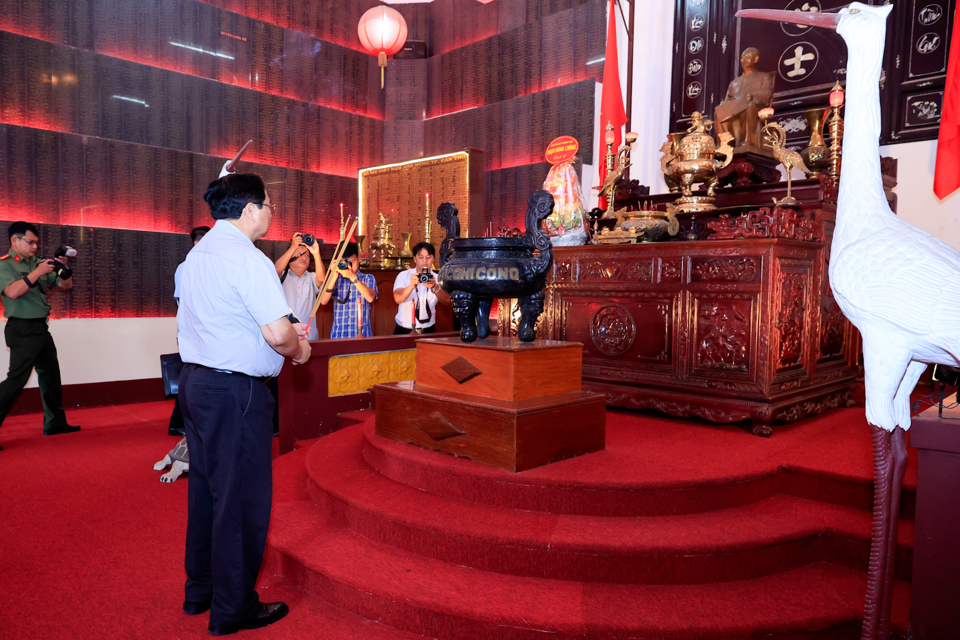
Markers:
{"x": 353, "y": 294}
{"x": 25, "y": 281}
{"x": 417, "y": 292}
{"x": 300, "y": 285}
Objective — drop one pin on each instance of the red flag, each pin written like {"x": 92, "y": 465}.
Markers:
{"x": 611, "y": 100}
{"x": 946, "y": 177}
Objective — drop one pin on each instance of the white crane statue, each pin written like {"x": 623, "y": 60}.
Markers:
{"x": 892, "y": 280}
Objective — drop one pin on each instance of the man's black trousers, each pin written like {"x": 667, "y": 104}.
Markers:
{"x": 32, "y": 347}
{"x": 228, "y": 419}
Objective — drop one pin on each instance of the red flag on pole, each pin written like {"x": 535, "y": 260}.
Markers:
{"x": 611, "y": 100}
{"x": 946, "y": 177}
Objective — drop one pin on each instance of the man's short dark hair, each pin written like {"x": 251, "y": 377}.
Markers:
{"x": 197, "y": 233}
{"x": 351, "y": 250}
{"x": 20, "y": 228}
{"x": 420, "y": 246}
{"x": 227, "y": 196}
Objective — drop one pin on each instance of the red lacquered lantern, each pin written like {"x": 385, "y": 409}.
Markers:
{"x": 382, "y": 33}
{"x": 836, "y": 95}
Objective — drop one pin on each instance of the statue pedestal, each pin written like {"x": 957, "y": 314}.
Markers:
{"x": 750, "y": 165}
{"x": 500, "y": 402}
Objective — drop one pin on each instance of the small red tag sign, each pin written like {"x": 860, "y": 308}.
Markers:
{"x": 562, "y": 149}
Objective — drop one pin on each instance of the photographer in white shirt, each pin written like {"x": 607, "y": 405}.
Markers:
{"x": 418, "y": 299}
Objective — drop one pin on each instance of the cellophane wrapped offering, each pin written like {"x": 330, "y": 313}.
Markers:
{"x": 566, "y": 226}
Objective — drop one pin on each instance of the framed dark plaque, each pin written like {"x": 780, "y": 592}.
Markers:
{"x": 806, "y": 61}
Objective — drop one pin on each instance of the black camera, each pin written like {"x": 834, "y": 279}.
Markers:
{"x": 307, "y": 239}
{"x": 62, "y": 270}
{"x": 424, "y": 275}
{"x": 343, "y": 265}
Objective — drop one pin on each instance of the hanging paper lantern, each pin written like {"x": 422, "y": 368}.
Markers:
{"x": 382, "y": 33}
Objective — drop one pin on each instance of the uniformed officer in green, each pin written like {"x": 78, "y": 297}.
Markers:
{"x": 25, "y": 281}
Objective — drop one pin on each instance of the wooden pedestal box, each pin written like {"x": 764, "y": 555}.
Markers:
{"x": 499, "y": 402}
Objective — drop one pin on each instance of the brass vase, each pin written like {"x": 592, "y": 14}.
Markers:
{"x": 360, "y": 238}
{"x": 816, "y": 155}
{"x": 406, "y": 251}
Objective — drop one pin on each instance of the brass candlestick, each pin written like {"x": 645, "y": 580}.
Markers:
{"x": 835, "y": 126}
{"x": 426, "y": 221}
{"x": 609, "y": 139}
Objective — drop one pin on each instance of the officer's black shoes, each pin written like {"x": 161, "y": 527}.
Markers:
{"x": 67, "y": 428}
{"x": 195, "y": 608}
{"x": 176, "y": 432}
{"x": 268, "y": 613}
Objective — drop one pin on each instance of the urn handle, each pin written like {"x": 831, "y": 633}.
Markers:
{"x": 447, "y": 218}
{"x": 539, "y": 206}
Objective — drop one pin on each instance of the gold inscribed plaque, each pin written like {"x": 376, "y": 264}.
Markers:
{"x": 399, "y": 191}
{"x": 358, "y": 373}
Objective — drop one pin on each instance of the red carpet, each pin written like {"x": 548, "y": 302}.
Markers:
{"x": 678, "y": 530}
{"x": 92, "y": 542}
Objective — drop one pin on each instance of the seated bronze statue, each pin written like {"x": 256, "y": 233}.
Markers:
{"x": 750, "y": 92}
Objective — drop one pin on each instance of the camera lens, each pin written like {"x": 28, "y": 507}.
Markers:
{"x": 307, "y": 239}
{"x": 343, "y": 265}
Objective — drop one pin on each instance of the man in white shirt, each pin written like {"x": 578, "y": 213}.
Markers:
{"x": 234, "y": 332}
{"x": 417, "y": 293}
{"x": 300, "y": 285}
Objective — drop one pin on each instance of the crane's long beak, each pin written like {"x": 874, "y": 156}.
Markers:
{"x": 815, "y": 19}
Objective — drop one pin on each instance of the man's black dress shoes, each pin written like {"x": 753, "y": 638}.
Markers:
{"x": 67, "y": 428}
{"x": 195, "y": 608}
{"x": 268, "y": 613}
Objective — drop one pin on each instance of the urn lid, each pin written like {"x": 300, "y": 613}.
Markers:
{"x": 697, "y": 143}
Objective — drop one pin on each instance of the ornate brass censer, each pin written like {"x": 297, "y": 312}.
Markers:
{"x": 694, "y": 162}
{"x": 381, "y": 249}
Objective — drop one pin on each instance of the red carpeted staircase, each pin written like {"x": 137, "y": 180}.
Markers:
{"x": 679, "y": 529}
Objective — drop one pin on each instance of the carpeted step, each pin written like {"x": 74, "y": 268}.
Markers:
{"x": 438, "y": 599}
{"x": 350, "y": 418}
{"x": 772, "y": 534}
{"x": 686, "y": 467}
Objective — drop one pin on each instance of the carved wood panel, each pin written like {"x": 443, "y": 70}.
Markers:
{"x": 636, "y": 329}
{"x": 724, "y": 334}
{"x": 792, "y": 318}
{"x": 806, "y": 61}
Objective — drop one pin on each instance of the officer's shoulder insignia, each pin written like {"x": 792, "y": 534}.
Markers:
{"x": 4, "y": 257}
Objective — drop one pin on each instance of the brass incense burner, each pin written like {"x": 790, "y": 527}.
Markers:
{"x": 694, "y": 162}
{"x": 381, "y": 249}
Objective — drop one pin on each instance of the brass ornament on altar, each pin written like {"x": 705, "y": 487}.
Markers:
{"x": 381, "y": 249}
{"x": 694, "y": 162}
{"x": 816, "y": 155}
{"x": 645, "y": 225}
{"x": 776, "y": 137}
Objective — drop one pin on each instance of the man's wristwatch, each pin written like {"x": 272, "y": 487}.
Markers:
{"x": 355, "y": 281}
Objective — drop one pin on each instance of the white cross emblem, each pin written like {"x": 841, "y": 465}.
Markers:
{"x": 799, "y": 57}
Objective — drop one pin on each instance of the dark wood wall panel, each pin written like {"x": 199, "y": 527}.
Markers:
{"x": 456, "y": 23}
{"x": 708, "y": 40}
{"x": 62, "y": 178}
{"x": 196, "y": 38}
{"x": 406, "y": 98}
{"x": 506, "y": 192}
{"x": 516, "y": 132}
{"x": 121, "y": 100}
{"x": 331, "y": 20}
{"x": 533, "y": 57}
{"x": 121, "y": 273}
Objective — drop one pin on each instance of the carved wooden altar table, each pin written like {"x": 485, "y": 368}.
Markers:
{"x": 739, "y": 326}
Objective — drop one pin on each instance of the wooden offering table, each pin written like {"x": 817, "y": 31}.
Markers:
{"x": 500, "y": 402}
{"x": 740, "y": 325}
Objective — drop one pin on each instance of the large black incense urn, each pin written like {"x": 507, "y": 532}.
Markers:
{"x": 475, "y": 271}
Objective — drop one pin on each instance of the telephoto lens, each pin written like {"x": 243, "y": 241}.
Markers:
{"x": 307, "y": 238}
